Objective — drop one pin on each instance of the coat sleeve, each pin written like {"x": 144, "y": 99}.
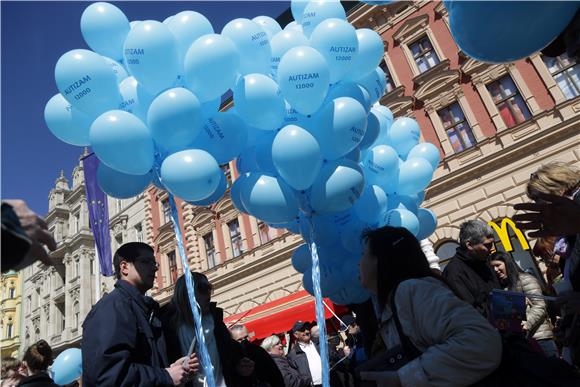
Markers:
{"x": 108, "y": 345}
{"x": 536, "y": 315}
{"x": 458, "y": 283}
{"x": 459, "y": 347}
{"x": 292, "y": 378}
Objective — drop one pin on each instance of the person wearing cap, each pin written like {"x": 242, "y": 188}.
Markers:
{"x": 123, "y": 342}
{"x": 354, "y": 348}
{"x": 305, "y": 354}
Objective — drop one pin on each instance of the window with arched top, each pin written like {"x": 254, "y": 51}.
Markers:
{"x": 445, "y": 250}
{"x": 77, "y": 312}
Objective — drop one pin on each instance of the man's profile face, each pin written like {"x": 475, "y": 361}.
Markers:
{"x": 141, "y": 272}
{"x": 481, "y": 250}
{"x": 240, "y": 335}
{"x": 203, "y": 292}
{"x": 303, "y": 336}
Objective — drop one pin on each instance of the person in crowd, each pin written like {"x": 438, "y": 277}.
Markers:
{"x": 12, "y": 381}
{"x": 354, "y": 348}
{"x": 9, "y": 367}
{"x": 292, "y": 378}
{"x": 559, "y": 184}
{"x": 552, "y": 258}
{"x": 315, "y": 334}
{"x": 24, "y": 237}
{"x": 448, "y": 343}
{"x": 304, "y": 354}
{"x": 265, "y": 369}
{"x": 537, "y": 323}
{"x": 468, "y": 272}
{"x": 123, "y": 342}
{"x": 35, "y": 363}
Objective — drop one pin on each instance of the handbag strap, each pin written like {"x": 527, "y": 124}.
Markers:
{"x": 410, "y": 349}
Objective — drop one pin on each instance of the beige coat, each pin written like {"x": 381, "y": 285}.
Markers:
{"x": 459, "y": 347}
{"x": 537, "y": 321}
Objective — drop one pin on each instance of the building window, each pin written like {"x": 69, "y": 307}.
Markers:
{"x": 508, "y": 101}
{"x": 11, "y": 292}
{"x": 9, "y": 332}
{"x": 445, "y": 251}
{"x": 119, "y": 240}
{"x": 61, "y": 316}
{"x": 77, "y": 313}
{"x": 227, "y": 172}
{"x": 118, "y": 205}
{"x": 566, "y": 73}
{"x": 138, "y": 232}
{"x": 236, "y": 237}
{"x": 209, "y": 250}
{"x": 389, "y": 78}
{"x": 171, "y": 258}
{"x": 75, "y": 223}
{"x": 457, "y": 128}
{"x": 92, "y": 266}
{"x": 166, "y": 211}
{"x": 266, "y": 233}
{"x": 28, "y": 304}
{"x": 424, "y": 55}
{"x": 77, "y": 267}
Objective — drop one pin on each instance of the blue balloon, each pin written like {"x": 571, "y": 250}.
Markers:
{"x": 297, "y": 9}
{"x": 252, "y": 43}
{"x": 406, "y": 202}
{"x": 322, "y": 229}
{"x": 66, "y": 122}
{"x": 210, "y": 108}
{"x": 480, "y": 30}
{"x": 386, "y": 113}
{"x": 375, "y": 83}
{"x": 372, "y": 132}
{"x": 152, "y": 57}
{"x": 293, "y": 26}
{"x": 415, "y": 175}
{"x": 123, "y": 142}
{"x": 118, "y": 69}
{"x": 339, "y": 184}
{"x": 351, "y": 238}
{"x": 246, "y": 161}
{"x": 330, "y": 280}
{"x": 404, "y": 134}
{"x": 354, "y": 155}
{"x": 341, "y": 126}
{"x": 263, "y": 153}
{"x": 427, "y": 223}
{"x": 402, "y": 218}
{"x": 427, "y": 151}
{"x": 68, "y": 365}
{"x": 191, "y": 174}
{"x": 269, "y": 199}
{"x": 121, "y": 185}
{"x": 304, "y": 78}
{"x": 236, "y": 193}
{"x": 370, "y": 53}
{"x": 187, "y": 27}
{"x": 281, "y": 43}
{"x": 372, "y": 204}
{"x": 223, "y": 135}
{"x": 105, "y": 28}
{"x": 136, "y": 99}
{"x": 269, "y": 25}
{"x": 87, "y": 82}
{"x": 258, "y": 101}
{"x": 317, "y": 11}
{"x": 296, "y": 156}
{"x": 301, "y": 259}
{"x": 211, "y": 66}
{"x": 175, "y": 119}
{"x": 216, "y": 196}
{"x": 381, "y": 164}
{"x": 336, "y": 40}
{"x": 352, "y": 90}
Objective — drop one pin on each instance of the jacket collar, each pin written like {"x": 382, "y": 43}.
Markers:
{"x": 144, "y": 302}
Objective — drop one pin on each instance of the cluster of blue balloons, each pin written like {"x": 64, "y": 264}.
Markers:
{"x": 313, "y": 147}
{"x": 67, "y": 367}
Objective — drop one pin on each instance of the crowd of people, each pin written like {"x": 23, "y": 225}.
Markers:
{"x": 421, "y": 327}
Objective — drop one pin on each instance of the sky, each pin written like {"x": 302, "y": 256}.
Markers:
{"x": 33, "y": 36}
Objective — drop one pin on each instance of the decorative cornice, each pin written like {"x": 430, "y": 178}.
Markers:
{"x": 411, "y": 28}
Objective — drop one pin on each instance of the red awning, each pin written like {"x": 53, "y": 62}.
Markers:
{"x": 279, "y": 316}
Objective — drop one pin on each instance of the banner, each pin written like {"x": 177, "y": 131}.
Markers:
{"x": 98, "y": 214}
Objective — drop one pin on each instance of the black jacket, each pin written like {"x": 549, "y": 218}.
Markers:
{"x": 123, "y": 343}
{"x": 472, "y": 280}
{"x": 38, "y": 380}
{"x": 298, "y": 358}
{"x": 265, "y": 369}
{"x": 292, "y": 378}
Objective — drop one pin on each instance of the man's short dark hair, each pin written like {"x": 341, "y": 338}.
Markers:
{"x": 129, "y": 252}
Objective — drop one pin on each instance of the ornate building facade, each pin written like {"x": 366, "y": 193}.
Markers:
{"x": 494, "y": 124}
{"x": 10, "y": 313}
{"x": 57, "y": 299}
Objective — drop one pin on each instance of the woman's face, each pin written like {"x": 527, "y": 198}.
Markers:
{"x": 499, "y": 268}
{"x": 368, "y": 270}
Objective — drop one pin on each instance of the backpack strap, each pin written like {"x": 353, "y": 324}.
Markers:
{"x": 410, "y": 349}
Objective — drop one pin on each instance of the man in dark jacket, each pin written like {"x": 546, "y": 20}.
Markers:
{"x": 292, "y": 378}
{"x": 305, "y": 355}
{"x": 468, "y": 272}
{"x": 123, "y": 343}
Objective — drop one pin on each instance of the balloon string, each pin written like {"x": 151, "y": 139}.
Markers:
{"x": 319, "y": 306}
{"x": 203, "y": 352}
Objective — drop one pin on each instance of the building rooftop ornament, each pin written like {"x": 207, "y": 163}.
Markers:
{"x": 61, "y": 182}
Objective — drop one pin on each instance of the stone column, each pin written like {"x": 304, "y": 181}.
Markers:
{"x": 433, "y": 259}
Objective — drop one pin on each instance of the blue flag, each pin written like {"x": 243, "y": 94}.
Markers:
{"x": 98, "y": 214}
